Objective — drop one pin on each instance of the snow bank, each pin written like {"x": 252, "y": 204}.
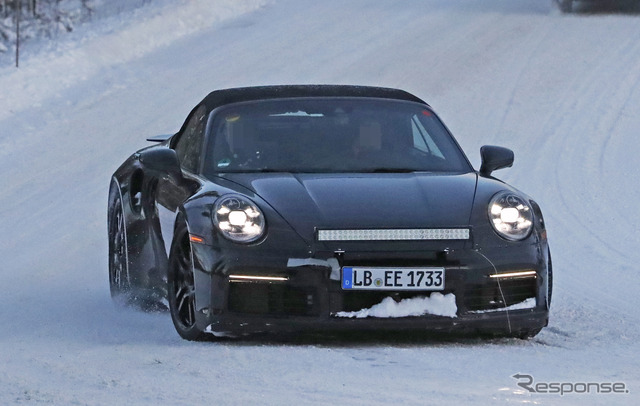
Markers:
{"x": 45, "y": 75}
{"x": 436, "y": 304}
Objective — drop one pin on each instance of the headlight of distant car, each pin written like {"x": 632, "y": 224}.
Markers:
{"x": 238, "y": 218}
{"x": 511, "y": 216}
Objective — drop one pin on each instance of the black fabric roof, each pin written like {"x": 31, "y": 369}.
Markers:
{"x": 221, "y": 97}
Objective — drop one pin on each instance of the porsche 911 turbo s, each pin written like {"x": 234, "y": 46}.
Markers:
{"x": 298, "y": 208}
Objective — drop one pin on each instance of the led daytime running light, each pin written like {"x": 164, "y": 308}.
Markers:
{"x": 259, "y": 278}
{"x": 521, "y": 274}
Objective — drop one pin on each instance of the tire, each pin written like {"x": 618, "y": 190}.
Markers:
{"x": 527, "y": 334}
{"x": 549, "y": 280}
{"x": 119, "y": 276}
{"x": 181, "y": 287}
{"x": 566, "y": 6}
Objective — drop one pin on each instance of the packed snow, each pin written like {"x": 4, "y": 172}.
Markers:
{"x": 562, "y": 91}
{"x": 436, "y": 304}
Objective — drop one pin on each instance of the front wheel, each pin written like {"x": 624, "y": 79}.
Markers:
{"x": 181, "y": 287}
{"x": 549, "y": 280}
{"x": 119, "y": 277}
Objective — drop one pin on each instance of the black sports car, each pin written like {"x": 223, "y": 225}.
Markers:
{"x": 291, "y": 208}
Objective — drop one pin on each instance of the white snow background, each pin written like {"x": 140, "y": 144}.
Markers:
{"x": 563, "y": 91}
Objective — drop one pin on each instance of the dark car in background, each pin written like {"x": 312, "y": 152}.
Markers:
{"x": 567, "y": 6}
{"x": 297, "y": 208}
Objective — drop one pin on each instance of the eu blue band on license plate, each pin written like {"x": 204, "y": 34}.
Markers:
{"x": 347, "y": 278}
{"x": 375, "y": 278}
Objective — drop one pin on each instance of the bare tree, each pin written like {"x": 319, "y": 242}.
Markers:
{"x": 18, "y": 17}
{"x": 88, "y": 6}
{"x": 21, "y": 20}
{"x": 32, "y": 7}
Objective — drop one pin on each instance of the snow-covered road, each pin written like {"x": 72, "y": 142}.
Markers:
{"x": 563, "y": 91}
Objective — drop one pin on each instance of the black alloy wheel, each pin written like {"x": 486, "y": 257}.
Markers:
{"x": 181, "y": 287}
{"x": 531, "y": 333}
{"x": 549, "y": 280}
{"x": 119, "y": 278}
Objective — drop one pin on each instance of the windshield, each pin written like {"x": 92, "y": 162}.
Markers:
{"x": 330, "y": 135}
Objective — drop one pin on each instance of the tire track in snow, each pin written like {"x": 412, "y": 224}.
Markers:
{"x": 565, "y": 105}
{"x": 583, "y": 146}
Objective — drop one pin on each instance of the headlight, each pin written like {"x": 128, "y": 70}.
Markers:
{"x": 511, "y": 216}
{"x": 238, "y": 218}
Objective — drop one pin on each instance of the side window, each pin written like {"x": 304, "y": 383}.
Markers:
{"x": 189, "y": 145}
{"x": 422, "y": 140}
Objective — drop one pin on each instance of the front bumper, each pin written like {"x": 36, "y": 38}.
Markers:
{"x": 309, "y": 296}
{"x": 519, "y": 322}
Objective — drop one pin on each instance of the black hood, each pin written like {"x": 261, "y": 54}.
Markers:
{"x": 365, "y": 201}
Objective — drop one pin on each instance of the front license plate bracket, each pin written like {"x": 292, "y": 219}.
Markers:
{"x": 388, "y": 278}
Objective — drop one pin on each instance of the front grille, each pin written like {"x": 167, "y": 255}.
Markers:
{"x": 271, "y": 299}
{"x": 489, "y": 297}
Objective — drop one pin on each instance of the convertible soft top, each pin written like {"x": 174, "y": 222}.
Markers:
{"x": 219, "y": 98}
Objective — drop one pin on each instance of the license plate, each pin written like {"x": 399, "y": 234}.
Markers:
{"x": 366, "y": 278}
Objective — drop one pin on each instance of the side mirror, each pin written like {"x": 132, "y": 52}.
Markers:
{"x": 494, "y": 158}
{"x": 162, "y": 160}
